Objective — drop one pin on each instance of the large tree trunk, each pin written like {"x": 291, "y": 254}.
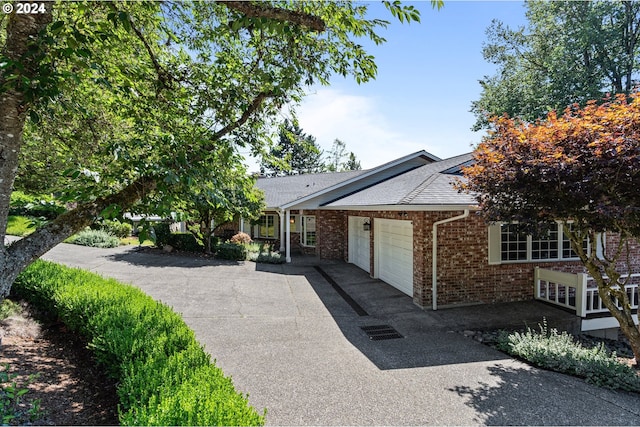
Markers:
{"x": 604, "y": 270}
{"x": 22, "y": 37}
{"x": 612, "y": 291}
{"x": 20, "y": 254}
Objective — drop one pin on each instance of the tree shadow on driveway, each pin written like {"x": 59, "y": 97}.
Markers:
{"x": 151, "y": 257}
{"x": 424, "y": 341}
{"x": 515, "y": 398}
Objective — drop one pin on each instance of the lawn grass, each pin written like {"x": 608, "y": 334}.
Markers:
{"x": 132, "y": 240}
{"x": 20, "y": 225}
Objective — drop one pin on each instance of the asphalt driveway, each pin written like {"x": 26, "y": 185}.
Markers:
{"x": 295, "y": 345}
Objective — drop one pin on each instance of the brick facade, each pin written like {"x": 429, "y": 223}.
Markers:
{"x": 464, "y": 273}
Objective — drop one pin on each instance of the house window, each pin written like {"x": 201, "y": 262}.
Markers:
{"x": 545, "y": 246}
{"x": 267, "y": 226}
{"x": 293, "y": 223}
{"x": 308, "y": 236}
{"x": 513, "y": 243}
{"x": 567, "y": 252}
{"x": 508, "y": 243}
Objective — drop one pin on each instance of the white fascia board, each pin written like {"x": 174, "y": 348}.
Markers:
{"x": 386, "y": 166}
{"x": 429, "y": 208}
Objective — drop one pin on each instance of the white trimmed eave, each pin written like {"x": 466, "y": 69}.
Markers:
{"x": 371, "y": 172}
{"x": 429, "y": 208}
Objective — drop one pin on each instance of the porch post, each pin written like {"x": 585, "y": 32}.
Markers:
{"x": 287, "y": 241}
{"x": 241, "y": 225}
{"x": 281, "y": 215}
{"x": 581, "y": 295}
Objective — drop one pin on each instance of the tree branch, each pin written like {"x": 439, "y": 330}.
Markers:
{"x": 253, "y": 107}
{"x": 254, "y": 10}
{"x": 23, "y": 252}
{"x": 164, "y": 77}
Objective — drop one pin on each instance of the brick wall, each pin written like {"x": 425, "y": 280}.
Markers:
{"x": 464, "y": 273}
{"x": 331, "y": 232}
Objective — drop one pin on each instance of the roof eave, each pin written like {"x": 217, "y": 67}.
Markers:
{"x": 371, "y": 172}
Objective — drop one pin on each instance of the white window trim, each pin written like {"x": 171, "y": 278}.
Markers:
{"x": 495, "y": 247}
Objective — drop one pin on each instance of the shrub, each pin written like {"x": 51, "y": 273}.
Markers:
{"x": 272, "y": 258}
{"x": 94, "y": 238}
{"x": 34, "y": 205}
{"x": 560, "y": 352}
{"x": 231, "y": 251}
{"x": 165, "y": 377}
{"x": 20, "y": 225}
{"x": 185, "y": 242}
{"x": 162, "y": 232}
{"x": 116, "y": 228}
{"x": 241, "y": 238}
{"x": 180, "y": 241}
{"x": 9, "y": 308}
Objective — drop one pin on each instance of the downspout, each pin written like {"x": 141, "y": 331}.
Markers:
{"x": 434, "y": 259}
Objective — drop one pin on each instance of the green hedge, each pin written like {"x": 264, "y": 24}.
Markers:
{"x": 231, "y": 251}
{"x": 165, "y": 377}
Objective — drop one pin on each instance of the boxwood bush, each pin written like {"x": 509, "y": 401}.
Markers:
{"x": 165, "y": 377}
{"x": 231, "y": 251}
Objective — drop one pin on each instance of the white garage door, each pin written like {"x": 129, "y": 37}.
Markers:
{"x": 359, "y": 242}
{"x": 393, "y": 246}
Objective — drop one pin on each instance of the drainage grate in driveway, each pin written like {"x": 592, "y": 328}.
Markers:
{"x": 381, "y": 332}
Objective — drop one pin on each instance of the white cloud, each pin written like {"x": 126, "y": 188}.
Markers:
{"x": 377, "y": 131}
{"x": 359, "y": 122}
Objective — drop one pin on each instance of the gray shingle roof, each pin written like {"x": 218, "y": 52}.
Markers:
{"x": 426, "y": 185}
{"x": 286, "y": 189}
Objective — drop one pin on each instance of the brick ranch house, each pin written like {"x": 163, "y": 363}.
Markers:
{"x": 404, "y": 223}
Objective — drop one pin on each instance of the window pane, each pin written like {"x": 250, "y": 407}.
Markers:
{"x": 309, "y": 232}
{"x": 267, "y": 226}
{"x": 546, "y": 247}
{"x": 514, "y": 243}
{"x": 567, "y": 252}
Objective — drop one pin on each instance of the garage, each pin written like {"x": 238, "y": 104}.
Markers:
{"x": 393, "y": 253}
{"x": 359, "y": 242}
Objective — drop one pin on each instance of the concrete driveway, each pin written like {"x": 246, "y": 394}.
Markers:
{"x": 295, "y": 345}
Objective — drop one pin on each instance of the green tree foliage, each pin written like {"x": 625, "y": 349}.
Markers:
{"x": 225, "y": 194}
{"x": 295, "y": 153}
{"x": 338, "y": 160}
{"x": 581, "y": 167}
{"x": 118, "y": 102}
{"x": 352, "y": 163}
{"x": 570, "y": 52}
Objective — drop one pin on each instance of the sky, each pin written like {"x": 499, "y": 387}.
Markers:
{"x": 428, "y": 76}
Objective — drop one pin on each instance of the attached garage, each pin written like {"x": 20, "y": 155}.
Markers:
{"x": 359, "y": 242}
{"x": 393, "y": 253}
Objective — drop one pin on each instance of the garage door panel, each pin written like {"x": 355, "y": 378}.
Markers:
{"x": 393, "y": 244}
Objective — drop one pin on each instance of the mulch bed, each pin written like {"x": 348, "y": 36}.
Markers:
{"x": 58, "y": 371}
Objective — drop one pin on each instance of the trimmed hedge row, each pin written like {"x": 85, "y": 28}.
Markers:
{"x": 165, "y": 377}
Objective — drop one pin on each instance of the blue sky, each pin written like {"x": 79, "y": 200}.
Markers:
{"x": 428, "y": 76}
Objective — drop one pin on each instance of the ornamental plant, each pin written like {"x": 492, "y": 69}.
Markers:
{"x": 582, "y": 166}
